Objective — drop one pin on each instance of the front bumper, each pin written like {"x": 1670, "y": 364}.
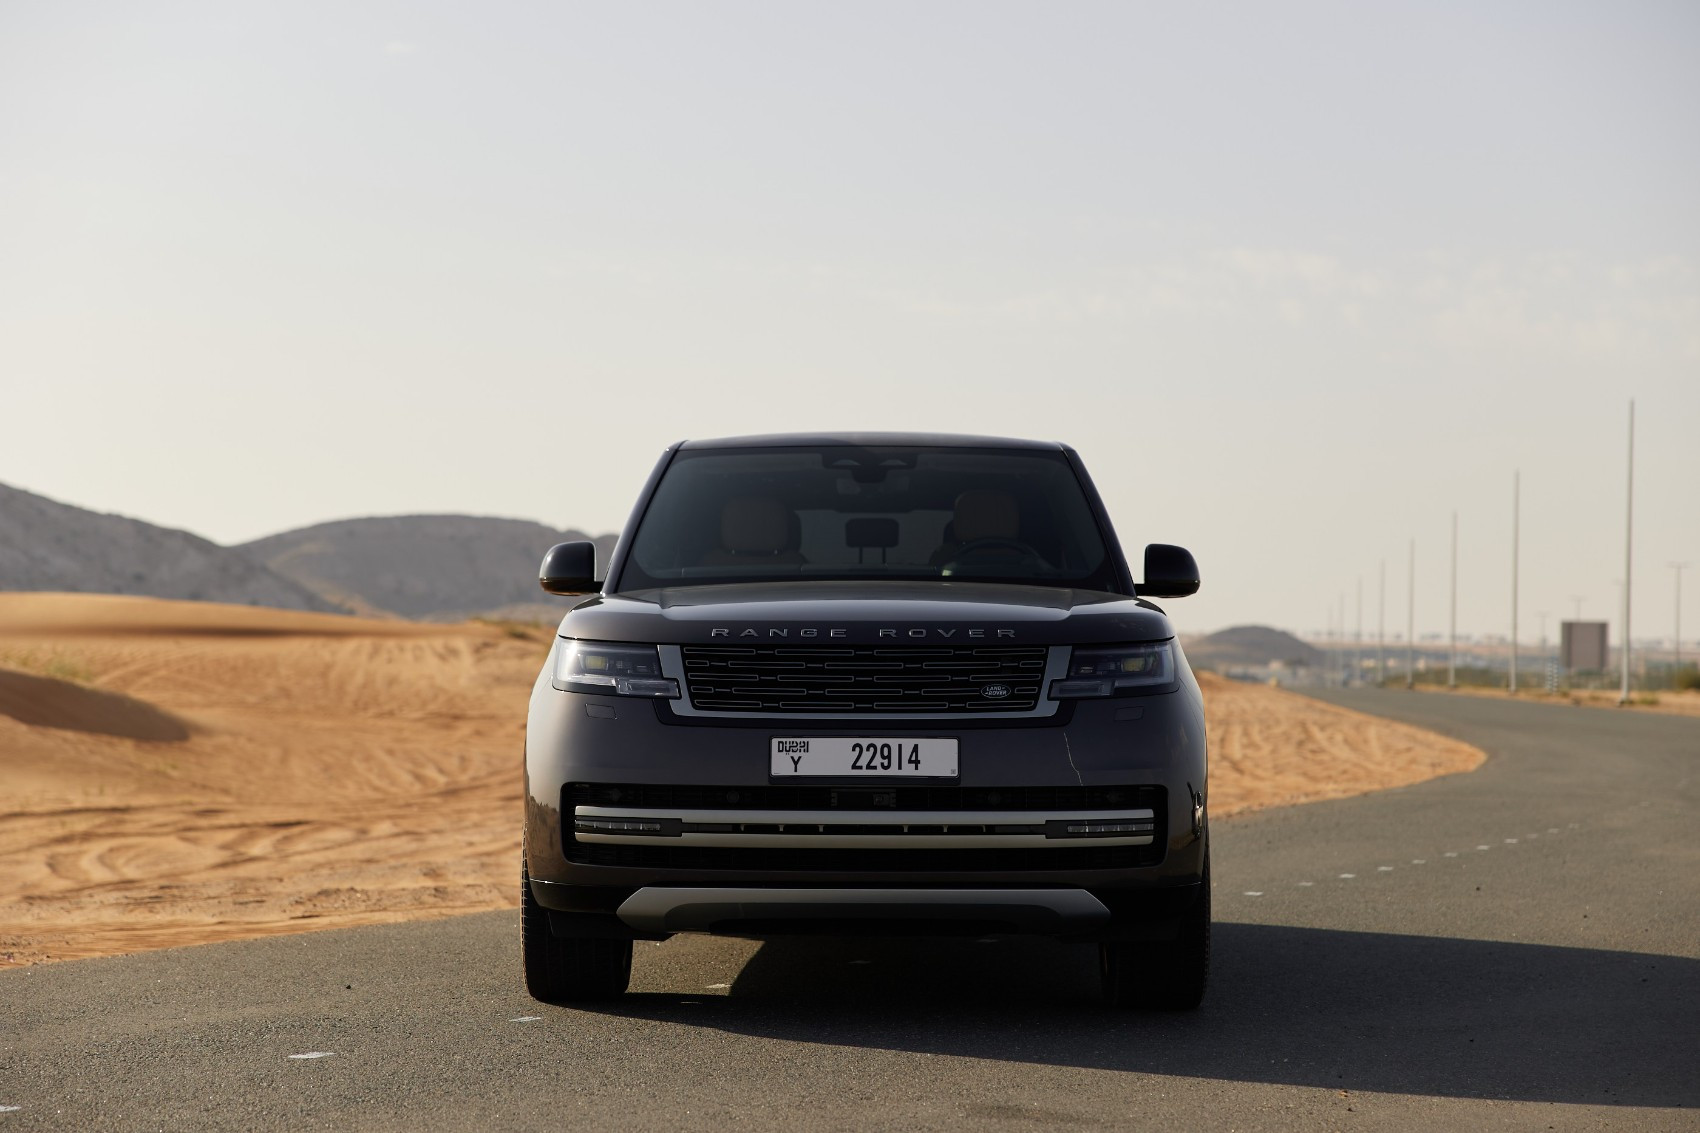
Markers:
{"x": 697, "y": 819}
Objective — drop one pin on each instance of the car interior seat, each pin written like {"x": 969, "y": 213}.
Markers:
{"x": 980, "y": 513}
{"x": 756, "y": 529}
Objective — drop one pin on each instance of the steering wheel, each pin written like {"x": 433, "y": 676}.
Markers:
{"x": 1024, "y": 554}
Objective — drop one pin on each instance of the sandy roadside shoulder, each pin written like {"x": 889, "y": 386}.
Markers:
{"x": 178, "y": 773}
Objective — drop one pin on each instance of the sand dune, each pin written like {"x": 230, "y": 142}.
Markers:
{"x": 177, "y": 772}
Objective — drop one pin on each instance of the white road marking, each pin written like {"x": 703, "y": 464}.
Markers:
{"x": 313, "y": 1054}
{"x": 527, "y": 1019}
{"x": 1383, "y": 868}
{"x": 1254, "y": 892}
{"x": 713, "y": 987}
{"x": 10, "y": 1108}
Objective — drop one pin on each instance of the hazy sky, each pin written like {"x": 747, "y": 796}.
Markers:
{"x": 1297, "y": 280}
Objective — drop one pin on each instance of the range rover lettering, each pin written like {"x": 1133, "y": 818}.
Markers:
{"x": 889, "y": 683}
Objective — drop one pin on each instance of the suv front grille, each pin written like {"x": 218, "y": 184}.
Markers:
{"x": 862, "y": 678}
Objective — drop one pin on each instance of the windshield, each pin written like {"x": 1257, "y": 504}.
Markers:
{"x": 750, "y": 515}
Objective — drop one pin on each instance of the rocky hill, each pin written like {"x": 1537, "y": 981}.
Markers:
{"x": 1251, "y": 646}
{"x": 419, "y": 566}
{"x": 47, "y": 545}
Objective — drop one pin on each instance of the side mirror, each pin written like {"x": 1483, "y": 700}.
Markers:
{"x": 569, "y": 568}
{"x": 1170, "y": 572}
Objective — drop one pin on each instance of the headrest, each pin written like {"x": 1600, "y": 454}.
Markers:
{"x": 754, "y": 525}
{"x": 983, "y": 513}
{"x": 876, "y": 531}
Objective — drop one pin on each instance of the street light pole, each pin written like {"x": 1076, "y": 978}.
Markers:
{"x": 1676, "y": 669}
{"x": 1546, "y": 663}
{"x": 1628, "y": 556}
{"x": 1411, "y": 622}
{"x": 1516, "y": 516}
{"x": 1452, "y": 624}
{"x": 1381, "y": 629}
{"x": 1358, "y": 636}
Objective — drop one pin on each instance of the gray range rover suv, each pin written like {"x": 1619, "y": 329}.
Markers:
{"x": 867, "y": 683}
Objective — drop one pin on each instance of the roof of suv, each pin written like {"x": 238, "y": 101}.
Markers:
{"x": 868, "y": 440}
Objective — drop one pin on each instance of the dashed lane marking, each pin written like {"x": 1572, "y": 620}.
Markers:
{"x": 1390, "y": 869}
{"x": 313, "y": 1054}
{"x": 527, "y": 1019}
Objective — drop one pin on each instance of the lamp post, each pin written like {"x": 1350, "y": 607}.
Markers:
{"x": 1628, "y": 556}
{"x": 1516, "y": 515}
{"x": 1358, "y": 636}
{"x": 1676, "y": 667}
{"x": 1381, "y": 628}
{"x": 1546, "y": 662}
{"x": 1411, "y": 622}
{"x": 1452, "y": 623}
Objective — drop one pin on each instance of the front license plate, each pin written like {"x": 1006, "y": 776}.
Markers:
{"x": 848, "y": 757}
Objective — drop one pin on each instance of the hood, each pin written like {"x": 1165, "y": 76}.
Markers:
{"x": 867, "y": 613}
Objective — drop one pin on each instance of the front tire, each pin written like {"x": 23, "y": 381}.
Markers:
{"x": 1167, "y": 976}
{"x": 568, "y": 969}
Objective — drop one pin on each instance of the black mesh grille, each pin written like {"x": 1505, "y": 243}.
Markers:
{"x": 863, "y": 678}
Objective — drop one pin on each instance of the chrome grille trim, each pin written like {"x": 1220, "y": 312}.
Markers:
{"x": 867, "y": 829}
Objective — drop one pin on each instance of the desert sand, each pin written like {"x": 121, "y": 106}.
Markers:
{"x": 175, "y": 773}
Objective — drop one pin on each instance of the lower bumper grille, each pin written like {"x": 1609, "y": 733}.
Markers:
{"x": 643, "y": 826}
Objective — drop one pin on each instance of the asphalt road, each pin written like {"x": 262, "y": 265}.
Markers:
{"x": 1517, "y": 948}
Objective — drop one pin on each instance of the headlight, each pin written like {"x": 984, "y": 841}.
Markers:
{"x": 612, "y": 670}
{"x": 1122, "y": 670}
